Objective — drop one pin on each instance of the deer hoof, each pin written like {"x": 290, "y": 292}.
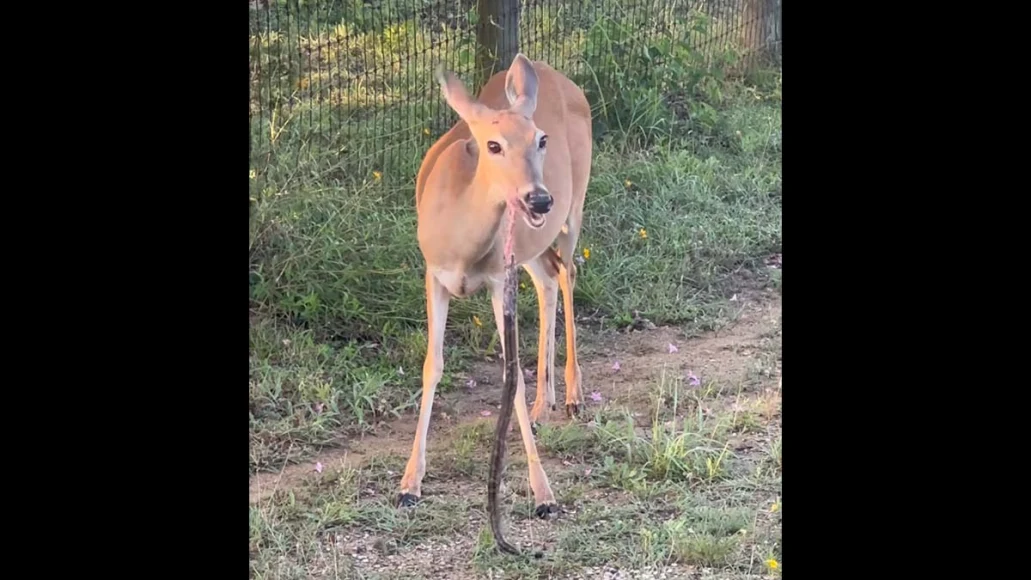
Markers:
{"x": 407, "y": 500}
{"x": 546, "y": 509}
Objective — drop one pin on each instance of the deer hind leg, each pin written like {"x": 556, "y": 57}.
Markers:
{"x": 567, "y": 283}
{"x": 437, "y": 302}
{"x": 544, "y": 273}
{"x": 544, "y": 499}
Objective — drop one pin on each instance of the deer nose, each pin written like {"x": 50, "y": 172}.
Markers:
{"x": 539, "y": 201}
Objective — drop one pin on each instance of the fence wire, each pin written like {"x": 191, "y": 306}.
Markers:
{"x": 354, "y": 78}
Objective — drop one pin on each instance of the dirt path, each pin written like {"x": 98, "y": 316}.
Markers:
{"x": 740, "y": 352}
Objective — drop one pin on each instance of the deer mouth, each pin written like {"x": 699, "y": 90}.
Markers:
{"x": 532, "y": 219}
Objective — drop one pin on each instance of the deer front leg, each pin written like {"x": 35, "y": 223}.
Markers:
{"x": 544, "y": 273}
{"x": 574, "y": 389}
{"x": 544, "y": 499}
{"x": 437, "y": 301}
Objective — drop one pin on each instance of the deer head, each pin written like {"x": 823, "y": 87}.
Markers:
{"x": 508, "y": 145}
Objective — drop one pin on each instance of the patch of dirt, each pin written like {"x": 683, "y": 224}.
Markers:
{"x": 728, "y": 356}
{"x": 646, "y": 357}
{"x": 429, "y": 559}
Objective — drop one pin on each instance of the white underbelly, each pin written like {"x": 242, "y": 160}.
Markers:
{"x": 459, "y": 283}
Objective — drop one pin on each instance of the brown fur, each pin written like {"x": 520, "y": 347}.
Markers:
{"x": 461, "y": 193}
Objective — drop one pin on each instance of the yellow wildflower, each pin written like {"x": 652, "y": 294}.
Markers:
{"x": 476, "y": 320}
{"x": 426, "y": 131}
{"x": 522, "y": 285}
{"x": 775, "y": 507}
{"x": 587, "y": 253}
{"x": 643, "y": 233}
{"x": 377, "y": 175}
{"x": 628, "y": 184}
{"x": 253, "y": 174}
{"x": 772, "y": 564}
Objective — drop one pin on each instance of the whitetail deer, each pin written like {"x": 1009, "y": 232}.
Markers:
{"x": 525, "y": 141}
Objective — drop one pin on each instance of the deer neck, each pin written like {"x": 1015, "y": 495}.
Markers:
{"x": 467, "y": 225}
{"x": 484, "y": 206}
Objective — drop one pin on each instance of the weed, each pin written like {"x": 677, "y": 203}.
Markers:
{"x": 470, "y": 441}
{"x": 570, "y": 441}
{"x": 623, "y": 476}
{"x": 774, "y": 452}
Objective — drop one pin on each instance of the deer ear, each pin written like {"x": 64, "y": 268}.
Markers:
{"x": 521, "y": 86}
{"x": 456, "y": 96}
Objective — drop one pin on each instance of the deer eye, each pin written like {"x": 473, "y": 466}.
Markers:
{"x": 493, "y": 147}
{"x": 543, "y": 142}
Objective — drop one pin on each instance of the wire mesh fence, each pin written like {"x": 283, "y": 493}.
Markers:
{"x": 354, "y": 78}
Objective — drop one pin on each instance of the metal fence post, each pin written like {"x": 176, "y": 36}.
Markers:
{"x": 497, "y": 37}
